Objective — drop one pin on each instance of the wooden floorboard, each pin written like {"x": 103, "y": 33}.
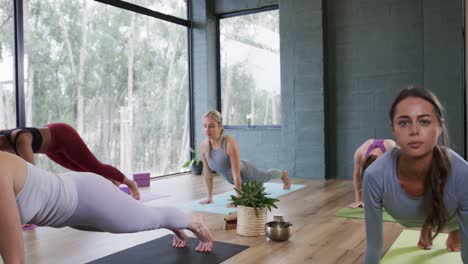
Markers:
{"x": 319, "y": 237}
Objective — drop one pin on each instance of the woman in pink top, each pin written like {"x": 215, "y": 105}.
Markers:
{"x": 367, "y": 153}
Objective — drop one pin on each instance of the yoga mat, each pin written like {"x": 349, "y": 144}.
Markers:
{"x": 149, "y": 196}
{"x": 405, "y": 250}
{"x": 220, "y": 201}
{"x": 359, "y": 213}
{"x": 161, "y": 250}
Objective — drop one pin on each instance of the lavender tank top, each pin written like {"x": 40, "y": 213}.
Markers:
{"x": 378, "y": 143}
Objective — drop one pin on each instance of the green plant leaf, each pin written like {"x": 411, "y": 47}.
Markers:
{"x": 253, "y": 194}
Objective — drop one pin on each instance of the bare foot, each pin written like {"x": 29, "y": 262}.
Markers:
{"x": 133, "y": 187}
{"x": 425, "y": 242}
{"x": 356, "y": 205}
{"x": 286, "y": 180}
{"x": 453, "y": 242}
{"x": 180, "y": 238}
{"x": 197, "y": 226}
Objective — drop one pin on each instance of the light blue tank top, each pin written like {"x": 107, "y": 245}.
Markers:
{"x": 46, "y": 199}
{"x": 219, "y": 161}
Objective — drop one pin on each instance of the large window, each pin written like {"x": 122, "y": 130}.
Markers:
{"x": 250, "y": 69}
{"x": 119, "y": 78}
{"x": 7, "y": 64}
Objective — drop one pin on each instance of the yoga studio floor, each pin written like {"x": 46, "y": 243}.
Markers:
{"x": 319, "y": 237}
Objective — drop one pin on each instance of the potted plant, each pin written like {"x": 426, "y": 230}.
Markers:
{"x": 252, "y": 204}
{"x": 195, "y": 164}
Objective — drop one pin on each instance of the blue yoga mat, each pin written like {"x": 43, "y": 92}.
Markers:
{"x": 220, "y": 201}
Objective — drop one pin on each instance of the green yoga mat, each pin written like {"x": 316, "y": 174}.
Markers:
{"x": 359, "y": 213}
{"x": 405, "y": 250}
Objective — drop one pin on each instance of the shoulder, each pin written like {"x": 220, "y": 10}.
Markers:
{"x": 230, "y": 140}
{"x": 361, "y": 150}
{"x": 458, "y": 164}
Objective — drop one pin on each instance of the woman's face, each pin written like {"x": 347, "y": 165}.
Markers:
{"x": 416, "y": 127}
{"x": 211, "y": 128}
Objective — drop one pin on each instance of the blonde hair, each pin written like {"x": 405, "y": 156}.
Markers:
{"x": 216, "y": 115}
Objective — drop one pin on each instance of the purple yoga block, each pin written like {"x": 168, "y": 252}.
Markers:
{"x": 124, "y": 188}
{"x": 142, "y": 179}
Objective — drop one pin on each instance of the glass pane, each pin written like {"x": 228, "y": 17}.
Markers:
{"x": 250, "y": 69}
{"x": 177, "y": 8}
{"x": 119, "y": 78}
{"x": 7, "y": 66}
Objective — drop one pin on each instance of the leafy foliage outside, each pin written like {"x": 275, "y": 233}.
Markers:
{"x": 253, "y": 194}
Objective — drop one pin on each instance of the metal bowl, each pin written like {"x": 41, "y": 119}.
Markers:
{"x": 278, "y": 231}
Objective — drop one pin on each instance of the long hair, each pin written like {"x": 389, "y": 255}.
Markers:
{"x": 434, "y": 207}
{"x": 216, "y": 115}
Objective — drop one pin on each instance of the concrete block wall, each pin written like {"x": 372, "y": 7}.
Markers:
{"x": 375, "y": 48}
{"x": 363, "y": 52}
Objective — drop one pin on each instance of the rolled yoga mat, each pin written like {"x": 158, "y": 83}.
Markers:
{"x": 161, "y": 250}
{"x": 359, "y": 213}
{"x": 405, "y": 250}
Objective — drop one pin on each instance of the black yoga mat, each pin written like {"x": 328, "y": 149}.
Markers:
{"x": 161, "y": 250}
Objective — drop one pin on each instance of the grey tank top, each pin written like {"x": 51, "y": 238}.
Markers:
{"x": 46, "y": 199}
{"x": 219, "y": 161}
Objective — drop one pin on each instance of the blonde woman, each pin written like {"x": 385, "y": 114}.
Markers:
{"x": 221, "y": 153}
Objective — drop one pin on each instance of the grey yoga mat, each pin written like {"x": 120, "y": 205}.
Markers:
{"x": 161, "y": 250}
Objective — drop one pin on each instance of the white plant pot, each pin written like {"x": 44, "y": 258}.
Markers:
{"x": 248, "y": 223}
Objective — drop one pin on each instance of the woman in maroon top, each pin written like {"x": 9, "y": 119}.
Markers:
{"x": 62, "y": 144}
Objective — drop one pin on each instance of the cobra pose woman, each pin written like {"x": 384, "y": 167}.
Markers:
{"x": 62, "y": 144}
{"x": 84, "y": 200}
{"x": 367, "y": 153}
{"x": 422, "y": 183}
{"x": 221, "y": 153}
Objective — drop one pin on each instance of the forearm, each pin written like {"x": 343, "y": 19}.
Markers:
{"x": 209, "y": 184}
{"x": 11, "y": 239}
{"x": 25, "y": 152}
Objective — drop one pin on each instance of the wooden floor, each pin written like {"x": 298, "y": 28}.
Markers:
{"x": 318, "y": 236}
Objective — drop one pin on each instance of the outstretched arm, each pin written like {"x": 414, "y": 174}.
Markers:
{"x": 208, "y": 177}
{"x": 357, "y": 181}
{"x": 233, "y": 152}
{"x": 11, "y": 239}
{"x": 373, "y": 216}
{"x": 24, "y": 148}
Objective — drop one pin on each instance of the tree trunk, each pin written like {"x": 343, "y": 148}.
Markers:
{"x": 225, "y": 104}
{"x": 79, "y": 86}
{"x": 267, "y": 105}
{"x": 30, "y": 95}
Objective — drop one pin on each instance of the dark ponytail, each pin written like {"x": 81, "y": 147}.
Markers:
{"x": 434, "y": 206}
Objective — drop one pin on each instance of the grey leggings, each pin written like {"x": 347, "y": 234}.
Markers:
{"x": 102, "y": 206}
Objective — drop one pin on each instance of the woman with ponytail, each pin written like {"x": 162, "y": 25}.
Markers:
{"x": 364, "y": 156}
{"x": 221, "y": 153}
{"x": 422, "y": 183}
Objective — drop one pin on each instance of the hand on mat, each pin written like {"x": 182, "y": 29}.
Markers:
{"x": 206, "y": 201}
{"x": 422, "y": 243}
{"x": 133, "y": 188}
{"x": 229, "y": 205}
{"x": 356, "y": 205}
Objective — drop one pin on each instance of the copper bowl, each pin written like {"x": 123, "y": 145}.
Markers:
{"x": 278, "y": 231}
